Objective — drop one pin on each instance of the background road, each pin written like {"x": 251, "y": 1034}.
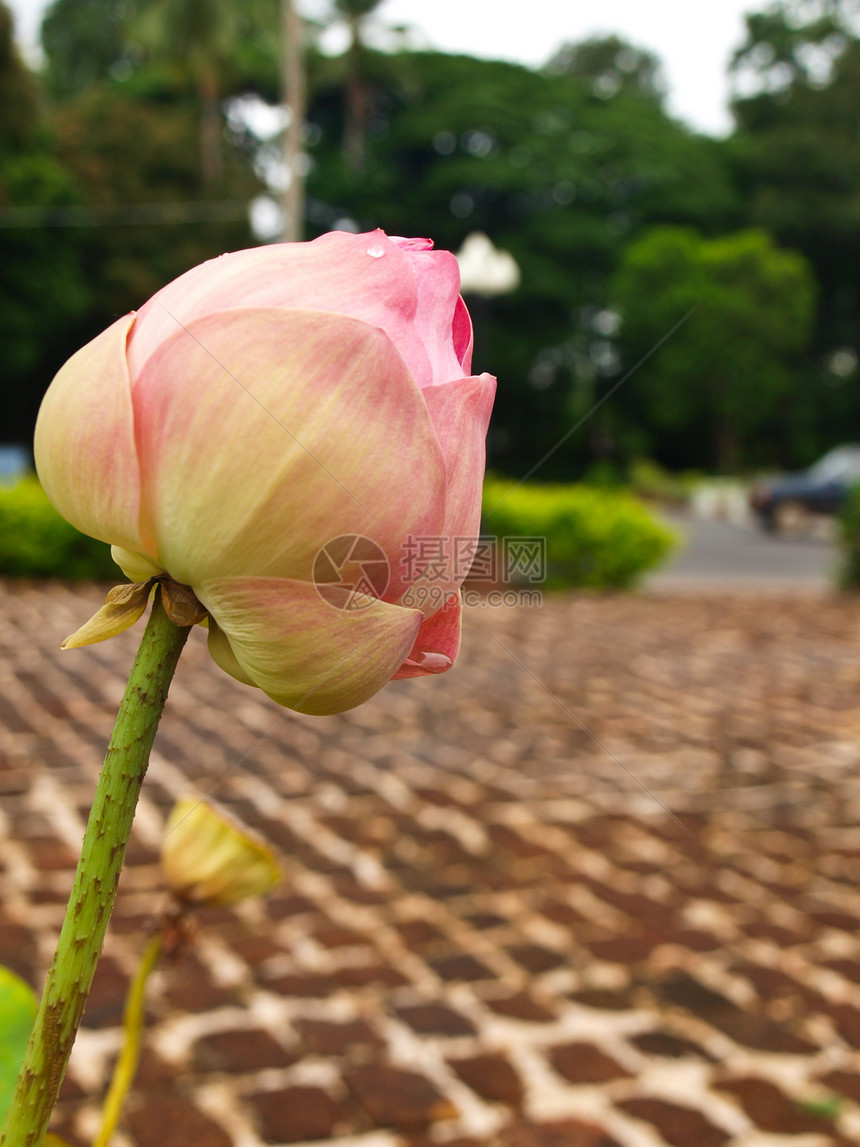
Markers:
{"x": 743, "y": 556}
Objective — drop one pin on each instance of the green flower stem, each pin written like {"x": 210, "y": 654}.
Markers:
{"x": 126, "y": 1065}
{"x": 96, "y": 880}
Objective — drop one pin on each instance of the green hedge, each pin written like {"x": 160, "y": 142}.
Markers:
{"x": 849, "y": 540}
{"x": 650, "y": 481}
{"x": 597, "y": 538}
{"x": 594, "y": 537}
{"x": 36, "y": 542}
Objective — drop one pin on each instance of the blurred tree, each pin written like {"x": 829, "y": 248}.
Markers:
{"x": 357, "y": 92}
{"x": 126, "y": 132}
{"x": 42, "y": 291}
{"x": 797, "y": 162}
{"x": 782, "y": 57}
{"x": 564, "y": 168}
{"x": 212, "y": 48}
{"x": 18, "y": 92}
{"x": 610, "y": 64}
{"x": 124, "y": 151}
{"x": 120, "y": 142}
{"x": 85, "y": 42}
{"x": 200, "y": 40}
{"x": 726, "y": 371}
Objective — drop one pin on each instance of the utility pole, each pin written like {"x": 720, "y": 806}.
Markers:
{"x": 293, "y": 90}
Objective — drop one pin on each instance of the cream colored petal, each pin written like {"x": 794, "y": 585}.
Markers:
{"x": 84, "y": 445}
{"x": 136, "y": 567}
{"x": 208, "y": 859}
{"x": 222, "y": 653}
{"x": 124, "y": 605}
{"x": 303, "y": 651}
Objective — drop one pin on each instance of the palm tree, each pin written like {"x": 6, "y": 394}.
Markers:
{"x": 354, "y": 13}
{"x": 199, "y": 39}
{"x": 293, "y": 91}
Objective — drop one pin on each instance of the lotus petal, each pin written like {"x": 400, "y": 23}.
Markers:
{"x": 85, "y": 450}
{"x": 295, "y": 430}
{"x": 302, "y": 650}
{"x": 437, "y": 643}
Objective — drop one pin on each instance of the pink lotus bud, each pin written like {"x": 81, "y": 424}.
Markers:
{"x": 293, "y": 433}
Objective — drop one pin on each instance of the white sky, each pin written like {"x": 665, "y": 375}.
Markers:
{"x": 694, "y": 40}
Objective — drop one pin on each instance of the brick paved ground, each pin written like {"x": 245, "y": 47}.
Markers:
{"x": 490, "y": 935}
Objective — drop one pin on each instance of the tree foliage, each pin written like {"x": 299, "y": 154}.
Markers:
{"x": 797, "y": 163}
{"x": 745, "y": 309}
{"x": 89, "y": 42}
{"x": 570, "y": 168}
{"x": 42, "y": 288}
{"x": 85, "y": 43}
{"x": 610, "y": 65}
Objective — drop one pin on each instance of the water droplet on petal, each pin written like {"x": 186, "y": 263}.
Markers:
{"x": 376, "y": 252}
{"x": 430, "y": 662}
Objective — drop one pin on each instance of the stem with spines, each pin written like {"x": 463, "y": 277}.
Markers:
{"x": 95, "y": 886}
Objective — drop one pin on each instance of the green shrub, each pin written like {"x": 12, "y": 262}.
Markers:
{"x": 849, "y": 540}
{"x": 650, "y": 481}
{"x": 36, "y": 542}
{"x": 597, "y": 538}
{"x": 605, "y": 473}
{"x": 594, "y": 537}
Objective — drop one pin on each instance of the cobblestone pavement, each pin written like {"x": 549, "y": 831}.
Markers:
{"x": 490, "y": 934}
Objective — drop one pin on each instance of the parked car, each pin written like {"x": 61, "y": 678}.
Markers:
{"x": 785, "y": 505}
{"x": 15, "y": 462}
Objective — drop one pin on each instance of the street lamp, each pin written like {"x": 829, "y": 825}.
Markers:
{"x": 484, "y": 269}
